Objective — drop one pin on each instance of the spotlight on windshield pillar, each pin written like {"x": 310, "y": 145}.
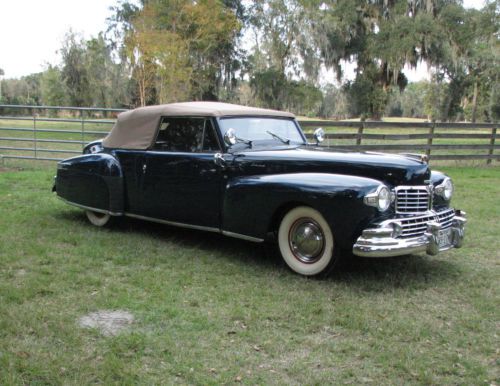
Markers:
{"x": 319, "y": 135}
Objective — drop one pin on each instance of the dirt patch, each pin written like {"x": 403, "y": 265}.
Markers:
{"x": 108, "y": 322}
{"x": 4, "y": 169}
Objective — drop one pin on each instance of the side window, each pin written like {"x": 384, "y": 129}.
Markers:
{"x": 186, "y": 135}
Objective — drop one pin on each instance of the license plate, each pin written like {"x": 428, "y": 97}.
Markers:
{"x": 444, "y": 238}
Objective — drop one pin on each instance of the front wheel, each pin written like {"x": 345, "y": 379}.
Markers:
{"x": 306, "y": 242}
{"x": 97, "y": 218}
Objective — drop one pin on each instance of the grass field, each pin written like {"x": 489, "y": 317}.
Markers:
{"x": 212, "y": 310}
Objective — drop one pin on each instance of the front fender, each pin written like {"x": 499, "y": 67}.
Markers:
{"x": 92, "y": 180}
{"x": 436, "y": 179}
{"x": 254, "y": 205}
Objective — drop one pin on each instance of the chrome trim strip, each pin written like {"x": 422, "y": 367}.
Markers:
{"x": 197, "y": 227}
{"x": 422, "y": 215}
{"x": 379, "y": 242}
{"x": 243, "y": 237}
{"x": 90, "y": 208}
{"x": 371, "y": 199}
{"x": 413, "y": 199}
{"x": 173, "y": 223}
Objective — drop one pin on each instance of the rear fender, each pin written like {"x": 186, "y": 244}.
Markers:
{"x": 92, "y": 180}
{"x": 254, "y": 205}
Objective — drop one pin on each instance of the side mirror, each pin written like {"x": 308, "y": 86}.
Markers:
{"x": 230, "y": 137}
{"x": 319, "y": 135}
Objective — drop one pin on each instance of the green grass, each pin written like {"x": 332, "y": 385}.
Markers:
{"x": 212, "y": 310}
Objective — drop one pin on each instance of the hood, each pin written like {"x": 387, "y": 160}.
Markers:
{"x": 392, "y": 169}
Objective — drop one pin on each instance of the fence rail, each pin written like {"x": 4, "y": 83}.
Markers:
{"x": 56, "y": 132}
{"x": 477, "y": 132}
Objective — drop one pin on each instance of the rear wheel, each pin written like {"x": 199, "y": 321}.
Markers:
{"x": 306, "y": 242}
{"x": 97, "y": 218}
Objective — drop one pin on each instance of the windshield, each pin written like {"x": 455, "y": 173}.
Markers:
{"x": 258, "y": 128}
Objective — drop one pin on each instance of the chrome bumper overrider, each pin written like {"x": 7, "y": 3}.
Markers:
{"x": 384, "y": 240}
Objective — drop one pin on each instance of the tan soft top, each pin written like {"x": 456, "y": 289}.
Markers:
{"x": 136, "y": 129}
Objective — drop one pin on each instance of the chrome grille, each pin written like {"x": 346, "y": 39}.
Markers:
{"x": 416, "y": 226}
{"x": 412, "y": 199}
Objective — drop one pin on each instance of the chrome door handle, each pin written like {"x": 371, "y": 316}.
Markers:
{"x": 219, "y": 160}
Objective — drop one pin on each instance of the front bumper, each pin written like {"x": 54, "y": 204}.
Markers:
{"x": 382, "y": 241}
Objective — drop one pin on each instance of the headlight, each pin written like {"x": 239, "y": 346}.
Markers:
{"x": 380, "y": 199}
{"x": 445, "y": 189}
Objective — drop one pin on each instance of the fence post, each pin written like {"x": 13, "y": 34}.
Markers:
{"x": 492, "y": 145}
{"x": 35, "y": 144}
{"x": 360, "y": 135}
{"x": 82, "y": 118}
{"x": 429, "y": 140}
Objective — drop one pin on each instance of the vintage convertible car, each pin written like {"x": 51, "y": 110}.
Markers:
{"x": 250, "y": 173}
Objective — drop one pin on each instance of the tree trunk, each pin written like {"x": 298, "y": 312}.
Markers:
{"x": 474, "y": 102}
{"x": 446, "y": 109}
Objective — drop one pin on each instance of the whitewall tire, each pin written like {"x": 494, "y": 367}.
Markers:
{"x": 98, "y": 219}
{"x": 306, "y": 242}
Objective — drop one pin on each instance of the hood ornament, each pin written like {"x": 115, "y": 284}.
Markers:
{"x": 424, "y": 158}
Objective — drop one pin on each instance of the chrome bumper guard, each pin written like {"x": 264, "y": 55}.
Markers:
{"x": 383, "y": 241}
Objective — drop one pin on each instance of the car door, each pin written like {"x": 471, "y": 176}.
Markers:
{"x": 181, "y": 181}
{"x": 133, "y": 163}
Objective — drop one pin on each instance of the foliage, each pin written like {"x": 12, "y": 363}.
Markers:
{"x": 414, "y": 102}
{"x": 276, "y": 53}
{"x": 272, "y": 89}
{"x": 74, "y": 72}
{"x": 335, "y": 104}
{"x": 471, "y": 66}
{"x": 54, "y": 92}
{"x": 23, "y": 91}
{"x": 91, "y": 77}
{"x": 181, "y": 50}
{"x": 107, "y": 80}
{"x": 380, "y": 37}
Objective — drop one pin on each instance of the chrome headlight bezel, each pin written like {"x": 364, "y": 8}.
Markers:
{"x": 380, "y": 199}
{"x": 445, "y": 189}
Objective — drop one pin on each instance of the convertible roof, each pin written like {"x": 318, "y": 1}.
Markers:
{"x": 136, "y": 129}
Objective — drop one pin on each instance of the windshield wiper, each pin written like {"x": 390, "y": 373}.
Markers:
{"x": 245, "y": 141}
{"x": 286, "y": 141}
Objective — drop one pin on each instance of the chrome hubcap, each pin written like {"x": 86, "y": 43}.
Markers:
{"x": 306, "y": 240}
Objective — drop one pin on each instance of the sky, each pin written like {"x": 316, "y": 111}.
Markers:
{"x": 31, "y": 31}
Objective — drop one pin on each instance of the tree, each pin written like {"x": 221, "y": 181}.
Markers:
{"x": 334, "y": 103}
{"x": 469, "y": 69}
{"x": 74, "y": 72}
{"x": 181, "y": 49}
{"x": 23, "y": 91}
{"x": 107, "y": 80}
{"x": 53, "y": 88}
{"x": 380, "y": 37}
{"x": 281, "y": 72}
{"x": 159, "y": 59}
{"x": 409, "y": 103}
{"x": 2, "y": 73}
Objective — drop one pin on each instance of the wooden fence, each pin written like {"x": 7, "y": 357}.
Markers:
{"x": 458, "y": 141}
{"x": 54, "y": 133}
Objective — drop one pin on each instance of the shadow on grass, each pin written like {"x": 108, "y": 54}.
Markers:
{"x": 411, "y": 271}
{"x": 362, "y": 273}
